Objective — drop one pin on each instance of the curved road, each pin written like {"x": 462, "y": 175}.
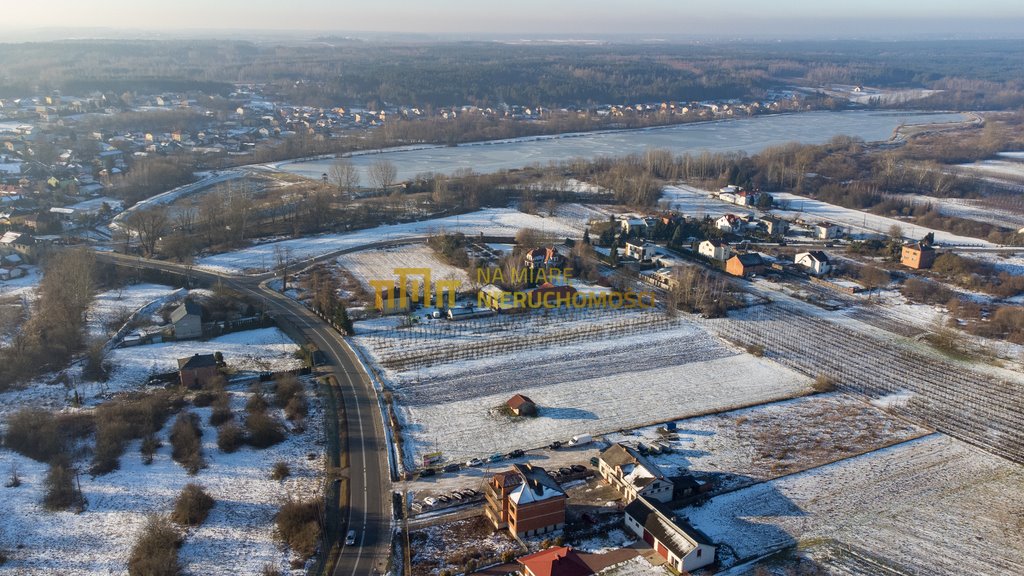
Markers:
{"x": 368, "y": 511}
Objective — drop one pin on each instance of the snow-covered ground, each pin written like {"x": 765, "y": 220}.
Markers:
{"x": 380, "y": 264}
{"x": 697, "y": 203}
{"x": 860, "y": 222}
{"x": 634, "y": 567}
{"x": 578, "y": 216}
{"x": 115, "y": 305}
{"x": 266, "y": 349}
{"x": 972, "y": 209}
{"x": 490, "y": 222}
{"x": 596, "y": 385}
{"x": 1012, "y": 169}
{"x": 237, "y": 537}
{"x": 933, "y": 505}
{"x": 27, "y": 285}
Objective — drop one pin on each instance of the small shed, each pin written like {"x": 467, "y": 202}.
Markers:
{"x": 521, "y": 405}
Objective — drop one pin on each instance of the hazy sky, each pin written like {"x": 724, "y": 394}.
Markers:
{"x": 564, "y": 17}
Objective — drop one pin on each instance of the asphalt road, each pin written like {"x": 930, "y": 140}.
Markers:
{"x": 368, "y": 512}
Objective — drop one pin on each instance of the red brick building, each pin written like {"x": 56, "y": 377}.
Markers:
{"x": 526, "y": 500}
{"x": 522, "y": 405}
{"x": 917, "y": 256}
{"x": 556, "y": 561}
{"x": 744, "y": 265}
{"x": 197, "y": 371}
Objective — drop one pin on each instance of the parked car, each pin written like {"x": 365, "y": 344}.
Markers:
{"x": 427, "y": 472}
{"x": 350, "y": 539}
{"x": 578, "y": 468}
{"x": 555, "y": 445}
{"x": 430, "y": 501}
{"x": 453, "y": 467}
{"x": 470, "y": 493}
{"x": 495, "y": 458}
{"x": 581, "y": 439}
{"x": 515, "y": 454}
{"x": 565, "y": 471}
{"x": 474, "y": 462}
{"x": 442, "y": 499}
{"x": 594, "y": 461}
{"x": 456, "y": 495}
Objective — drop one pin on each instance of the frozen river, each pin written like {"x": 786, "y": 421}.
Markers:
{"x": 747, "y": 134}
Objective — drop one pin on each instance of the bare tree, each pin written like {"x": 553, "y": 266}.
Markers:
{"x": 383, "y": 174}
{"x": 149, "y": 225}
{"x": 344, "y": 174}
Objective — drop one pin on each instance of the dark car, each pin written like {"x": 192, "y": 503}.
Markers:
{"x": 555, "y": 445}
{"x": 515, "y": 454}
{"x": 454, "y": 467}
{"x": 594, "y": 461}
{"x": 470, "y": 493}
{"x": 578, "y": 468}
{"x": 319, "y": 358}
{"x": 427, "y": 472}
{"x": 565, "y": 471}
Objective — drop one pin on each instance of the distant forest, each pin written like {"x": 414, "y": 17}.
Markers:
{"x": 332, "y": 72}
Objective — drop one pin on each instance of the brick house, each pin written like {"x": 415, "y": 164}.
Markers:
{"x": 526, "y": 500}
{"x": 198, "y": 370}
{"x": 744, "y": 265}
{"x": 633, "y": 475}
{"x": 917, "y": 256}
{"x": 555, "y": 561}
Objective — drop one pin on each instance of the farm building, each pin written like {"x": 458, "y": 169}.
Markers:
{"x": 526, "y": 500}
{"x": 555, "y": 561}
{"x": 187, "y": 320}
{"x": 744, "y": 265}
{"x": 549, "y": 295}
{"x": 715, "y": 249}
{"x": 632, "y": 474}
{"x": 683, "y": 547}
{"x": 814, "y": 262}
{"x": 522, "y": 405}
{"x": 198, "y": 370}
{"x": 468, "y": 312}
{"x": 494, "y": 298}
{"x": 917, "y": 256}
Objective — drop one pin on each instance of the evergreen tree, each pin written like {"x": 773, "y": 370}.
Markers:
{"x": 586, "y": 236}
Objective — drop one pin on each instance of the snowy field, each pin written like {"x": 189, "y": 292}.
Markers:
{"x": 579, "y": 216}
{"x": 595, "y": 385}
{"x": 237, "y": 537}
{"x": 266, "y": 349}
{"x": 490, "y": 222}
{"x": 380, "y": 264}
{"x": 971, "y": 209}
{"x": 114, "y": 306}
{"x": 1012, "y": 169}
{"x": 767, "y": 441}
{"x": 697, "y": 203}
{"x": 858, "y": 222}
{"x": 634, "y": 567}
{"x": 933, "y": 505}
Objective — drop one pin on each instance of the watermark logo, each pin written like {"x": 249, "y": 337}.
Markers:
{"x": 413, "y": 285}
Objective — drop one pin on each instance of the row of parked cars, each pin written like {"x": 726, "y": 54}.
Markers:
{"x": 471, "y": 463}
{"x": 454, "y": 498}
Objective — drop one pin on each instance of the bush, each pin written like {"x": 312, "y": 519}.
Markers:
{"x": 230, "y": 437}
{"x": 149, "y": 446}
{"x": 33, "y": 432}
{"x": 155, "y": 553}
{"x": 823, "y": 383}
{"x": 120, "y": 421}
{"x": 280, "y": 471}
{"x": 221, "y": 409}
{"x": 203, "y": 399}
{"x": 186, "y": 443}
{"x": 296, "y": 408}
{"x": 59, "y": 486}
{"x": 256, "y": 402}
{"x": 192, "y": 506}
{"x": 264, "y": 430}
{"x": 298, "y": 526}
{"x": 287, "y": 386}
{"x": 756, "y": 350}
{"x": 110, "y": 441}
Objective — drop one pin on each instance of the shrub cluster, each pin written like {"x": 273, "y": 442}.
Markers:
{"x": 192, "y": 506}
{"x": 298, "y": 526}
{"x": 186, "y": 442}
{"x": 155, "y": 553}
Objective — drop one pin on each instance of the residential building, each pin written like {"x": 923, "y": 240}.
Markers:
{"x": 555, "y": 561}
{"x": 730, "y": 224}
{"x": 544, "y": 258}
{"x": 187, "y": 320}
{"x": 549, "y": 295}
{"x": 775, "y": 226}
{"x": 917, "y": 256}
{"x": 814, "y": 262}
{"x": 390, "y": 301}
{"x": 633, "y": 227}
{"x": 827, "y": 231}
{"x": 526, "y": 500}
{"x": 683, "y": 547}
{"x": 715, "y": 249}
{"x": 197, "y": 371}
{"x": 632, "y": 474}
{"x": 640, "y": 250}
{"x": 522, "y": 405}
{"x": 744, "y": 265}
{"x": 493, "y": 297}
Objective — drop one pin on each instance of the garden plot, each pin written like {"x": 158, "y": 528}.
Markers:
{"x": 697, "y": 203}
{"x": 764, "y": 442}
{"x": 934, "y": 505}
{"x": 237, "y": 537}
{"x": 596, "y": 385}
{"x": 452, "y": 544}
{"x": 380, "y": 264}
{"x": 112, "y": 308}
{"x": 489, "y": 222}
{"x": 579, "y": 216}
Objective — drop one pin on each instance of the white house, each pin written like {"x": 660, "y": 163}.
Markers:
{"x": 681, "y": 545}
{"x": 633, "y": 226}
{"x": 632, "y": 475}
{"x": 826, "y": 231}
{"x": 714, "y": 249}
{"x": 814, "y": 262}
{"x": 187, "y": 320}
{"x": 640, "y": 250}
{"x": 730, "y": 223}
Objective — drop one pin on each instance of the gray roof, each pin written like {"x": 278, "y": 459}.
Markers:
{"x": 188, "y": 308}
{"x": 197, "y": 361}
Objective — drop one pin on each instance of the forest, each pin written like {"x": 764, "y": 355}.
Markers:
{"x": 331, "y": 72}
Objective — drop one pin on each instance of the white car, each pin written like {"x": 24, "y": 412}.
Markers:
{"x": 430, "y": 501}
{"x": 474, "y": 462}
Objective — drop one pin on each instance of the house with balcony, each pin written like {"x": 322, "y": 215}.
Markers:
{"x": 525, "y": 500}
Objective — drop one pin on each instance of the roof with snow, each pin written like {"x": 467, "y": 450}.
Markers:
{"x": 537, "y": 485}
{"x": 188, "y": 308}
{"x": 636, "y": 469}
